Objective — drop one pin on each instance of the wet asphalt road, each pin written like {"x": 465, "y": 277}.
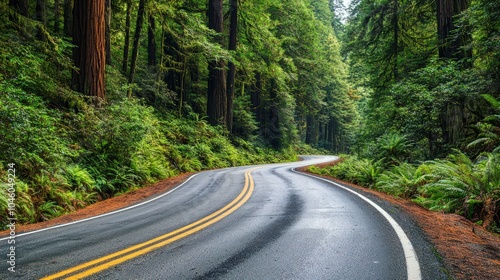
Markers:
{"x": 291, "y": 227}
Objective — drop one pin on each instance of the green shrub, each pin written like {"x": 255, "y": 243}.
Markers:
{"x": 393, "y": 148}
{"x": 404, "y": 180}
{"x": 465, "y": 187}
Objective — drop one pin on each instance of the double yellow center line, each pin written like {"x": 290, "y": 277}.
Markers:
{"x": 111, "y": 260}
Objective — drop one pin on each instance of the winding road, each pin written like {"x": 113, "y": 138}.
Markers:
{"x": 254, "y": 222}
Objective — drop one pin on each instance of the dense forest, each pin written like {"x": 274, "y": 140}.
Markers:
{"x": 98, "y": 97}
{"x": 101, "y": 97}
{"x": 427, "y": 75}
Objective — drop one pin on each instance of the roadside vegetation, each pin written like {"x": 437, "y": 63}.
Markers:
{"x": 460, "y": 184}
{"x": 427, "y": 74}
{"x": 65, "y": 160}
{"x": 143, "y": 97}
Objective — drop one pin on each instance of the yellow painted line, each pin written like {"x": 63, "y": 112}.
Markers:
{"x": 114, "y": 259}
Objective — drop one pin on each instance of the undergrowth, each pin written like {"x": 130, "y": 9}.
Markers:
{"x": 66, "y": 160}
{"x": 456, "y": 184}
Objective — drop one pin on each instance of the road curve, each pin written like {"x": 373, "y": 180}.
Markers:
{"x": 259, "y": 222}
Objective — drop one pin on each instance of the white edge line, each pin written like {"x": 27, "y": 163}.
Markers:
{"x": 103, "y": 215}
{"x": 412, "y": 265}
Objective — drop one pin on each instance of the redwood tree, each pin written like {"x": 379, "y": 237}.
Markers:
{"x": 450, "y": 43}
{"x": 216, "y": 99}
{"x": 126, "y": 44}
{"x": 151, "y": 40}
{"x": 89, "y": 53}
{"x": 232, "y": 68}
{"x": 137, "y": 36}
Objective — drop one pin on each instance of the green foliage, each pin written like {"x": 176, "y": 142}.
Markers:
{"x": 31, "y": 134}
{"x": 454, "y": 185}
{"x": 465, "y": 187}
{"x": 404, "y": 180}
{"x": 393, "y": 148}
{"x": 359, "y": 171}
{"x": 488, "y": 138}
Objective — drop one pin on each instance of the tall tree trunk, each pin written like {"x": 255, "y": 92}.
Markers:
{"x": 331, "y": 134}
{"x": 126, "y": 45}
{"x": 151, "y": 40}
{"x": 312, "y": 130}
{"x": 450, "y": 47}
{"x": 233, "y": 32}
{"x": 68, "y": 18}
{"x": 89, "y": 52}
{"x": 137, "y": 37}
{"x": 217, "y": 98}
{"x": 171, "y": 52}
{"x": 41, "y": 16}
{"x": 108, "y": 32}
{"x": 395, "y": 46}
{"x": 57, "y": 15}
{"x": 255, "y": 98}
{"x": 41, "y": 12}
{"x": 449, "y": 44}
{"x": 21, "y": 8}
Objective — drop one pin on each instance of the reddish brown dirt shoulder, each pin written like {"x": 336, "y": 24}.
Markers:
{"x": 107, "y": 205}
{"x": 468, "y": 250}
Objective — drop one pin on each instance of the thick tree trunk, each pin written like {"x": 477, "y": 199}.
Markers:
{"x": 331, "y": 134}
{"x": 217, "y": 98}
{"x": 20, "y": 8}
{"x": 451, "y": 47}
{"x": 171, "y": 52}
{"x": 137, "y": 37}
{"x": 89, "y": 52}
{"x": 233, "y": 32}
{"x": 68, "y": 18}
{"x": 449, "y": 44}
{"x": 41, "y": 12}
{"x": 108, "y": 32}
{"x": 312, "y": 130}
{"x": 41, "y": 16}
{"x": 126, "y": 45}
{"x": 151, "y": 41}
{"x": 395, "y": 44}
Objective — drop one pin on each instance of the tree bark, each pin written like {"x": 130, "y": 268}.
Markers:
{"x": 449, "y": 44}
{"x": 255, "y": 98}
{"x": 41, "y": 16}
{"x": 217, "y": 98}
{"x": 126, "y": 45}
{"x": 171, "y": 52}
{"x": 451, "y": 47}
{"x": 151, "y": 41}
{"x": 89, "y": 52}
{"x": 41, "y": 13}
{"x": 20, "y": 8}
{"x": 233, "y": 32}
{"x": 395, "y": 46}
{"x": 137, "y": 37}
